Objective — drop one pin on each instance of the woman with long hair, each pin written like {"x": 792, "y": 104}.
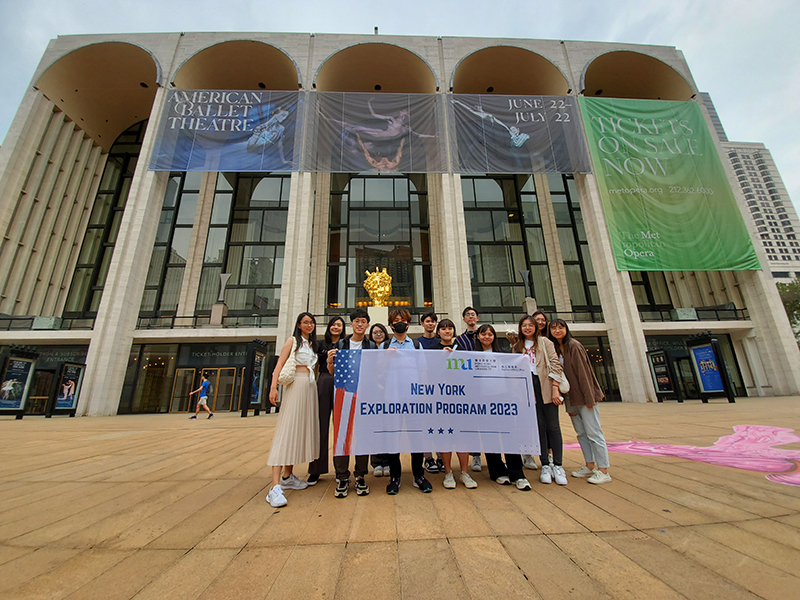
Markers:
{"x": 333, "y": 334}
{"x": 378, "y": 334}
{"x": 296, "y": 438}
{"x": 510, "y": 471}
{"x": 581, "y": 404}
{"x": 546, "y": 372}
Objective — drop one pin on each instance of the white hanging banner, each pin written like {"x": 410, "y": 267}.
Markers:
{"x": 388, "y": 401}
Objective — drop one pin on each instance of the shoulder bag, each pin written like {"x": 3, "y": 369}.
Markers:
{"x": 286, "y": 376}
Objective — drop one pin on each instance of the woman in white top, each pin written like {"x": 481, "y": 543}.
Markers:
{"x": 296, "y": 438}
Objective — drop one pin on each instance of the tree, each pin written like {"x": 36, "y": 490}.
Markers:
{"x": 790, "y": 295}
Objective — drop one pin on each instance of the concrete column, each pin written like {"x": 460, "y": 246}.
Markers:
{"x": 447, "y": 207}
{"x": 317, "y": 300}
{"x": 621, "y": 315}
{"x": 119, "y": 309}
{"x": 297, "y": 254}
{"x": 555, "y": 260}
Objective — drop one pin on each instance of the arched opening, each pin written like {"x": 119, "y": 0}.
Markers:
{"x": 625, "y": 74}
{"x": 105, "y": 88}
{"x": 375, "y": 67}
{"x": 508, "y": 70}
{"x": 238, "y": 65}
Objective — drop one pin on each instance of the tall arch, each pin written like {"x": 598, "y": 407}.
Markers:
{"x": 508, "y": 70}
{"x": 376, "y": 67}
{"x": 239, "y": 65}
{"x": 104, "y": 88}
{"x": 627, "y": 74}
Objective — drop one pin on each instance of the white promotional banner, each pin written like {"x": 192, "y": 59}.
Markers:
{"x": 388, "y": 401}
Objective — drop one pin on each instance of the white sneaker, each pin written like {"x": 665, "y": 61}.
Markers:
{"x": 546, "y": 476}
{"x": 503, "y": 480}
{"x": 468, "y": 481}
{"x": 559, "y": 475}
{"x": 293, "y": 483}
{"x": 583, "y": 472}
{"x": 275, "y": 497}
{"x": 529, "y": 462}
{"x": 523, "y": 485}
{"x": 599, "y": 477}
{"x": 378, "y": 471}
{"x": 449, "y": 481}
{"x": 476, "y": 463}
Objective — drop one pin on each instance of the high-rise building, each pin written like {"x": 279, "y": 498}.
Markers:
{"x": 458, "y": 164}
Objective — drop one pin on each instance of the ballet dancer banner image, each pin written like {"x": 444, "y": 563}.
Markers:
{"x": 406, "y": 401}
{"x": 229, "y": 131}
{"x": 380, "y": 133}
{"x": 517, "y": 134}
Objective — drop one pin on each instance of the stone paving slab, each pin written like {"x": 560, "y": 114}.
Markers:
{"x": 157, "y": 506}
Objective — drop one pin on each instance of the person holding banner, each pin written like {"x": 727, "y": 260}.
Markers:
{"x": 466, "y": 341}
{"x": 399, "y": 320}
{"x": 333, "y": 334}
{"x": 510, "y": 471}
{"x": 296, "y": 438}
{"x": 359, "y": 321}
{"x": 581, "y": 404}
{"x": 546, "y": 371}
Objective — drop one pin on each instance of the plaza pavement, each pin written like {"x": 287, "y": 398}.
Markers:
{"x": 160, "y": 507}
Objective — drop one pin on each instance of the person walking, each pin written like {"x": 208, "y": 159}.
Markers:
{"x": 204, "y": 390}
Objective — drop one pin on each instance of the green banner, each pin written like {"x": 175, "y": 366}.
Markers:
{"x": 667, "y": 201}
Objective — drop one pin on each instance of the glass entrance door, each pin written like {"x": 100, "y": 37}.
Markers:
{"x": 41, "y": 385}
{"x": 223, "y": 389}
{"x": 683, "y": 369}
{"x": 223, "y": 381}
{"x": 184, "y": 384}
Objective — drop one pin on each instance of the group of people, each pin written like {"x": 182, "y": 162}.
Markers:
{"x": 557, "y": 362}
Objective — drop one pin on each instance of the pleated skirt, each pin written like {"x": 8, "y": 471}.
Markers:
{"x": 296, "y": 437}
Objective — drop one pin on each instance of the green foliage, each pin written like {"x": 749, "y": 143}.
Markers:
{"x": 790, "y": 294}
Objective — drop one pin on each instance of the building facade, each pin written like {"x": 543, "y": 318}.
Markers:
{"x": 109, "y": 263}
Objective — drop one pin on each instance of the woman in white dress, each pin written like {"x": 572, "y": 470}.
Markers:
{"x": 296, "y": 438}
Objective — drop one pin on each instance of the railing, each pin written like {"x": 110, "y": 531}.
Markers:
{"x": 694, "y": 314}
{"x": 28, "y": 323}
{"x": 192, "y": 322}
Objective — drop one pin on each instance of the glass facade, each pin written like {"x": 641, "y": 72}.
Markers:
{"x": 94, "y": 259}
{"x": 377, "y": 223}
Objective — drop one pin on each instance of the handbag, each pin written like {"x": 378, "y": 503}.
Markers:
{"x": 563, "y": 385}
{"x": 286, "y": 376}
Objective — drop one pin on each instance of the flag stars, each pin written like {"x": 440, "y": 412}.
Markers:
{"x": 441, "y": 431}
{"x": 450, "y": 431}
{"x": 430, "y": 430}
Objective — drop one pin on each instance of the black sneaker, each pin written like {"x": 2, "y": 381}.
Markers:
{"x": 342, "y": 485}
{"x": 423, "y": 484}
{"x": 312, "y": 479}
{"x": 361, "y": 487}
{"x": 440, "y": 465}
{"x": 211, "y": 415}
{"x": 430, "y": 466}
{"x": 192, "y": 417}
{"x": 394, "y": 486}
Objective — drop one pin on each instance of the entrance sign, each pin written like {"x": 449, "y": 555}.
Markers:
{"x": 407, "y": 401}
{"x": 229, "y": 130}
{"x": 666, "y": 198}
{"x": 517, "y": 134}
{"x": 379, "y": 133}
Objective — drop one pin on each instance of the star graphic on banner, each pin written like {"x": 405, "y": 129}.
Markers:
{"x": 441, "y": 431}
{"x": 450, "y": 431}
{"x": 430, "y": 430}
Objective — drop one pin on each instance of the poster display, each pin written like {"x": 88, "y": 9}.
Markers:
{"x": 667, "y": 201}
{"x": 660, "y": 371}
{"x": 259, "y": 370}
{"x": 517, "y": 134}
{"x": 433, "y": 401}
{"x": 375, "y": 133}
{"x": 16, "y": 383}
{"x": 706, "y": 368}
{"x": 229, "y": 131}
{"x": 69, "y": 387}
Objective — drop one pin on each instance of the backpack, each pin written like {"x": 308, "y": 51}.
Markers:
{"x": 210, "y": 390}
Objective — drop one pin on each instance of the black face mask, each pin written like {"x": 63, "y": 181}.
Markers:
{"x": 400, "y": 327}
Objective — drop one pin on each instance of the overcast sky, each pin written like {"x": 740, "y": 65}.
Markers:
{"x": 744, "y": 53}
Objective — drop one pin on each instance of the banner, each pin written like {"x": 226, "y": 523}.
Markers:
{"x": 517, "y": 134}
{"x": 667, "y": 200}
{"x": 416, "y": 401}
{"x": 229, "y": 130}
{"x": 378, "y": 133}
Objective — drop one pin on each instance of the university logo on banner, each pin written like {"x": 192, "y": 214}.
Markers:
{"x": 228, "y": 131}
{"x": 517, "y": 134}
{"x": 415, "y": 401}
{"x": 380, "y": 133}
{"x": 667, "y": 201}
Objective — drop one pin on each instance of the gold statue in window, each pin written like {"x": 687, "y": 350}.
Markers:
{"x": 378, "y": 286}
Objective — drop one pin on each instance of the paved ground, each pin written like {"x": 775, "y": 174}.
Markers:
{"x": 156, "y": 506}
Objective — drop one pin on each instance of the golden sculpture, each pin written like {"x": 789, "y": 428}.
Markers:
{"x": 378, "y": 286}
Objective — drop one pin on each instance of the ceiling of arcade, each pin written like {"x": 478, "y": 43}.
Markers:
{"x": 624, "y": 74}
{"x": 508, "y": 70}
{"x": 238, "y": 65}
{"x": 105, "y": 88}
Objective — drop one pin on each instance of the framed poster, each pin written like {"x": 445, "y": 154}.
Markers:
{"x": 660, "y": 371}
{"x": 16, "y": 383}
{"x": 259, "y": 370}
{"x": 706, "y": 368}
{"x": 69, "y": 386}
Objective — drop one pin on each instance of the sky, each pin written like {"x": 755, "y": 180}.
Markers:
{"x": 744, "y": 53}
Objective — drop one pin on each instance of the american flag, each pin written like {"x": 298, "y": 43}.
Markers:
{"x": 345, "y": 383}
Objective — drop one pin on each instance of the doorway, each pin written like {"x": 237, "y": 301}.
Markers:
{"x": 41, "y": 387}
{"x": 223, "y": 388}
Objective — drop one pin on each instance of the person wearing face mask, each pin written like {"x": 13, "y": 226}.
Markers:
{"x": 398, "y": 321}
